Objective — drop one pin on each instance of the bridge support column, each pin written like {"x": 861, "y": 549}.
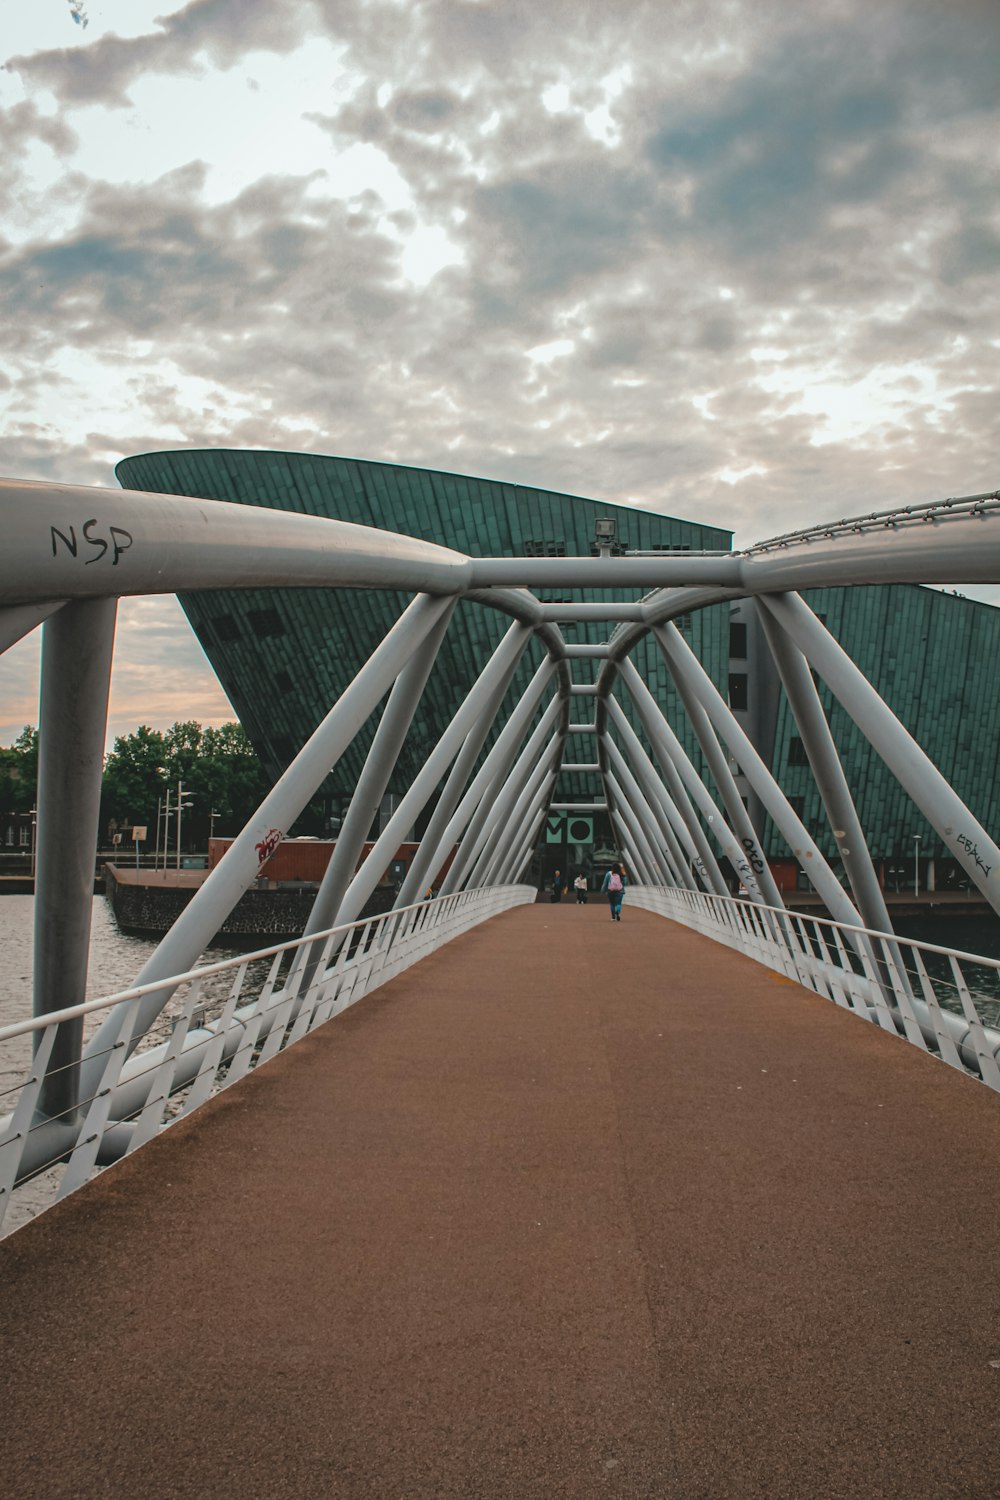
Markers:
{"x": 963, "y": 834}
{"x": 689, "y": 790}
{"x": 77, "y": 647}
{"x": 379, "y": 764}
{"x": 671, "y": 824}
{"x": 518, "y": 866}
{"x": 528, "y": 768}
{"x": 526, "y": 832}
{"x": 533, "y": 788}
{"x": 633, "y": 860}
{"x": 488, "y": 692}
{"x": 427, "y": 778}
{"x": 827, "y": 771}
{"x": 203, "y": 917}
{"x": 655, "y": 867}
{"x": 684, "y": 784}
{"x": 474, "y": 809}
{"x": 659, "y": 799}
{"x": 657, "y": 831}
{"x": 687, "y": 674}
{"x": 708, "y": 697}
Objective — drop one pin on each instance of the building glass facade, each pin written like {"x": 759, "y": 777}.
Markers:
{"x": 284, "y": 655}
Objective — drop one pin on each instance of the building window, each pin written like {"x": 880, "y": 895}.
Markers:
{"x": 265, "y": 622}
{"x": 737, "y": 691}
{"x": 797, "y": 752}
{"x": 737, "y": 639}
{"x": 226, "y": 628}
{"x": 283, "y": 682}
{"x": 10, "y": 833}
{"x": 798, "y": 805}
{"x": 24, "y": 835}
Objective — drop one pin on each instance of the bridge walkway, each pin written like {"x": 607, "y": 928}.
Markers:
{"x": 572, "y": 1209}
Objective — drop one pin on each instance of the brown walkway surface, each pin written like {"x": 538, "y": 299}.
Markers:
{"x": 573, "y": 1209}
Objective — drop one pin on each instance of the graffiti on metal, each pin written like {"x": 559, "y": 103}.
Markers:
{"x": 118, "y": 541}
{"x": 972, "y": 849}
{"x": 267, "y": 846}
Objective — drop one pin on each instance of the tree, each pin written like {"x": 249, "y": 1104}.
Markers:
{"x": 227, "y": 777}
{"x": 135, "y": 777}
{"x": 218, "y": 767}
{"x": 19, "y": 772}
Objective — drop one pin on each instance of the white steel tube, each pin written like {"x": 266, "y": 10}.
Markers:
{"x": 236, "y": 871}
{"x": 474, "y": 810}
{"x": 963, "y": 834}
{"x": 793, "y": 830}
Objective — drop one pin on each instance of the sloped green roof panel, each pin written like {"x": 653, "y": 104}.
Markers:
{"x": 284, "y": 655}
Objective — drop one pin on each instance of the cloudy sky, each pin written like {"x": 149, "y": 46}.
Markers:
{"x": 737, "y": 260}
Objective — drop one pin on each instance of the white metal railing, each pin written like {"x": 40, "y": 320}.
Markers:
{"x": 220, "y": 1021}
{"x": 942, "y": 1000}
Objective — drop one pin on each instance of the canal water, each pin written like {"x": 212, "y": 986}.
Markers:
{"x": 115, "y": 956}
{"x": 115, "y": 959}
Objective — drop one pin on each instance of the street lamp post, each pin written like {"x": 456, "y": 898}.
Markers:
{"x": 916, "y": 864}
{"x": 180, "y": 806}
{"x": 166, "y": 827}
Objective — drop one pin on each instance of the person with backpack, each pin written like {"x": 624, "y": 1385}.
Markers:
{"x": 614, "y": 884}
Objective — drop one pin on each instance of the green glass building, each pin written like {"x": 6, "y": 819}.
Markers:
{"x": 284, "y": 655}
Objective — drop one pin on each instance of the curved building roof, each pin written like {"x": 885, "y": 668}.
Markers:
{"x": 284, "y": 655}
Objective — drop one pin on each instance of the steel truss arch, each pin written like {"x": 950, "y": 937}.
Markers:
{"x": 73, "y": 551}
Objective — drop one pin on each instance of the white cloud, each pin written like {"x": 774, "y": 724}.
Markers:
{"x": 735, "y": 262}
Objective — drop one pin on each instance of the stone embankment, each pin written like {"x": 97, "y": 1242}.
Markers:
{"x": 148, "y": 901}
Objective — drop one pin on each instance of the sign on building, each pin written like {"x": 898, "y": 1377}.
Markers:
{"x": 568, "y": 828}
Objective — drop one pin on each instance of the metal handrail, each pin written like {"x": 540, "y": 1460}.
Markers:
{"x": 130, "y": 1099}
{"x": 932, "y": 510}
{"x": 202, "y": 971}
{"x": 872, "y": 979}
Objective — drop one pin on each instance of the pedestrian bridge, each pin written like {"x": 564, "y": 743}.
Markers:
{"x": 569, "y": 1208}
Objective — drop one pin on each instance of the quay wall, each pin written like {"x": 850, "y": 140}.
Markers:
{"x": 272, "y": 913}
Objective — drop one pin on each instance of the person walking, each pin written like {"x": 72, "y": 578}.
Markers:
{"x": 557, "y": 886}
{"x": 580, "y": 886}
{"x": 614, "y": 885}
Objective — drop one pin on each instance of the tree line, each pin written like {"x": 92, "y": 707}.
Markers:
{"x": 218, "y": 767}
